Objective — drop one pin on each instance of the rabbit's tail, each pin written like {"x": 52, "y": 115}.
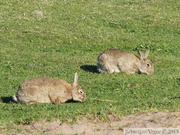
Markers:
{"x": 14, "y": 97}
{"x": 102, "y": 57}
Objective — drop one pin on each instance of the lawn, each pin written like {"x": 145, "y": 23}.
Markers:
{"x": 58, "y": 38}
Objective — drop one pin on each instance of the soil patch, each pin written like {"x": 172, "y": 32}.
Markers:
{"x": 112, "y": 127}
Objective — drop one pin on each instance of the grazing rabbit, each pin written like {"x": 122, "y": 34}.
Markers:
{"x": 114, "y": 61}
{"x": 49, "y": 90}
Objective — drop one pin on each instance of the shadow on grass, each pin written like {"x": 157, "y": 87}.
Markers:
{"x": 89, "y": 68}
{"x": 10, "y": 100}
{"x": 7, "y": 99}
{"x": 175, "y": 97}
{"x": 72, "y": 101}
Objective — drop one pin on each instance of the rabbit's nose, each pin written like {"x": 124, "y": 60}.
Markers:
{"x": 84, "y": 99}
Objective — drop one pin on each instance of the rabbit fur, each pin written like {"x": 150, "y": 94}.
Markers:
{"x": 49, "y": 90}
{"x": 115, "y": 60}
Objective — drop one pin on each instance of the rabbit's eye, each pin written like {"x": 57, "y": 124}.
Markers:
{"x": 148, "y": 64}
{"x": 80, "y": 91}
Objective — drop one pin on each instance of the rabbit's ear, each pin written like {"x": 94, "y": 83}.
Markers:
{"x": 146, "y": 53}
{"x": 140, "y": 54}
{"x": 75, "y": 79}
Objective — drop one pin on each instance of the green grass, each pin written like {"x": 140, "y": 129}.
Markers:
{"x": 57, "y": 38}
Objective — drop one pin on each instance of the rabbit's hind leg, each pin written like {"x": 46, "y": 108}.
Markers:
{"x": 113, "y": 69}
{"x": 116, "y": 69}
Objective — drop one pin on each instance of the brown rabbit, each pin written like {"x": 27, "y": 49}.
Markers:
{"x": 49, "y": 90}
{"x": 115, "y": 60}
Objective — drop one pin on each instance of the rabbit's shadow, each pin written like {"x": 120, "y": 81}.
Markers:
{"x": 72, "y": 101}
{"x": 89, "y": 68}
{"x": 7, "y": 99}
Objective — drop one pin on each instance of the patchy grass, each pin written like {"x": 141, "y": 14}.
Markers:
{"x": 58, "y": 38}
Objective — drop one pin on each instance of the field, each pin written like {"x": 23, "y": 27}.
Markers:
{"x": 58, "y": 38}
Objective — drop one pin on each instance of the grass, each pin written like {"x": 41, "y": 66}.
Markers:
{"x": 58, "y": 38}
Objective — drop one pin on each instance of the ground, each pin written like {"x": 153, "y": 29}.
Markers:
{"x": 113, "y": 127}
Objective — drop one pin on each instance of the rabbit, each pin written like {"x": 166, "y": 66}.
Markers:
{"x": 115, "y": 60}
{"x": 49, "y": 90}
